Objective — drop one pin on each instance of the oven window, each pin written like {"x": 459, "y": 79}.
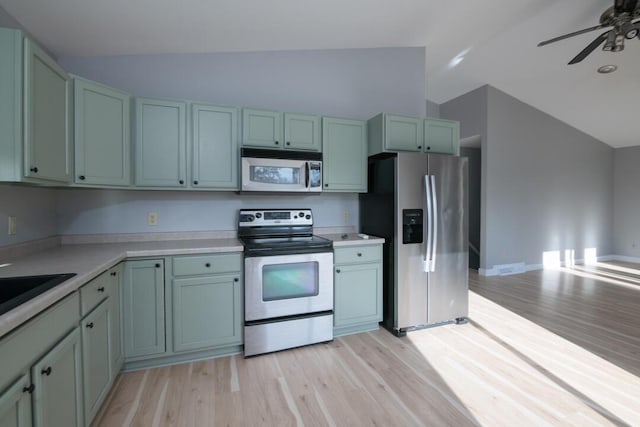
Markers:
{"x": 295, "y": 280}
{"x": 275, "y": 174}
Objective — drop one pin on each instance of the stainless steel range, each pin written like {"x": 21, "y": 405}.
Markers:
{"x": 288, "y": 276}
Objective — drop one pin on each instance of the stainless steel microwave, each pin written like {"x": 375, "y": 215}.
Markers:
{"x": 280, "y": 171}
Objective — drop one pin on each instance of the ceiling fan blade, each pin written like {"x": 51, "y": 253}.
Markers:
{"x": 592, "y": 46}
{"x": 575, "y": 33}
{"x": 622, "y": 6}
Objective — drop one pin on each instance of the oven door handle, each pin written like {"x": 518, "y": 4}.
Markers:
{"x": 307, "y": 173}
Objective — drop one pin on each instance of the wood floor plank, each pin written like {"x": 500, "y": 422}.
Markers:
{"x": 542, "y": 348}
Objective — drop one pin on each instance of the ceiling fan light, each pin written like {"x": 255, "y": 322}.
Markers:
{"x": 632, "y": 33}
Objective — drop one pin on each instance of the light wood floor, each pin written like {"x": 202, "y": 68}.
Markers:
{"x": 542, "y": 348}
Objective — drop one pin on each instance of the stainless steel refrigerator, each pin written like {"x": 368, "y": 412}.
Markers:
{"x": 418, "y": 203}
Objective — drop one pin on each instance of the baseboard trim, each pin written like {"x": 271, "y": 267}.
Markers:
{"x": 522, "y": 267}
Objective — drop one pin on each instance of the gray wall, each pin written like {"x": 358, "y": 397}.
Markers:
{"x": 546, "y": 185}
{"x": 627, "y": 201}
{"x": 115, "y": 211}
{"x": 475, "y": 178}
{"x": 433, "y": 109}
{"x": 34, "y": 209}
{"x": 355, "y": 83}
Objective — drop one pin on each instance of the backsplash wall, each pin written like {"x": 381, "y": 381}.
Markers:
{"x": 114, "y": 211}
{"x": 35, "y": 212}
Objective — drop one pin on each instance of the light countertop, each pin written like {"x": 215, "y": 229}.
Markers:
{"x": 351, "y": 239}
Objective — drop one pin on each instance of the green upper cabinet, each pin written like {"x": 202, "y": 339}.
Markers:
{"x": 441, "y": 136}
{"x": 344, "y": 155}
{"x": 15, "y": 404}
{"x": 35, "y": 140}
{"x": 214, "y": 147}
{"x": 302, "y": 132}
{"x": 161, "y": 147}
{"x": 388, "y": 132}
{"x": 261, "y": 128}
{"x": 102, "y": 149}
{"x": 57, "y": 380}
{"x": 273, "y": 129}
{"x": 47, "y": 125}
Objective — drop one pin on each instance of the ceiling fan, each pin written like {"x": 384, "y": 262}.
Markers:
{"x": 623, "y": 16}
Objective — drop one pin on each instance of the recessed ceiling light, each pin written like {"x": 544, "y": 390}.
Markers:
{"x": 606, "y": 69}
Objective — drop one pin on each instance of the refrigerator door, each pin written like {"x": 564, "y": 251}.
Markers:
{"x": 448, "y": 288}
{"x": 411, "y": 285}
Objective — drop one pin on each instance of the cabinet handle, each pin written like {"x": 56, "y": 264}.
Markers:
{"x": 276, "y": 142}
{"x": 337, "y": 270}
{"x": 29, "y": 389}
{"x": 195, "y": 182}
{"x": 208, "y": 265}
{"x": 359, "y": 254}
{"x": 235, "y": 279}
{"x": 114, "y": 273}
{"x": 157, "y": 265}
{"x": 82, "y": 177}
{"x": 47, "y": 371}
{"x": 101, "y": 289}
{"x": 181, "y": 181}
{"x": 34, "y": 169}
{"x": 90, "y": 325}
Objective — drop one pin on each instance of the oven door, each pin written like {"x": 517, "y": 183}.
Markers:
{"x": 287, "y": 285}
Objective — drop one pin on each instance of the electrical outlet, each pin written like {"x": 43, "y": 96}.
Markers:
{"x": 152, "y": 218}
{"x": 12, "y": 226}
{"x": 346, "y": 215}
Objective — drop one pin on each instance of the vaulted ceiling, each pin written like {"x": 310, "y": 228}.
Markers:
{"x": 468, "y": 43}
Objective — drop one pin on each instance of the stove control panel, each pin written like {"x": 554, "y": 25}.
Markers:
{"x": 274, "y": 217}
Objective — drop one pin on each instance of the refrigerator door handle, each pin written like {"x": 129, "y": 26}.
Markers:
{"x": 434, "y": 240}
{"x": 426, "y": 263}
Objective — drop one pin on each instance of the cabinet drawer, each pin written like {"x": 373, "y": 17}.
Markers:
{"x": 357, "y": 254}
{"x": 207, "y": 264}
{"x": 94, "y": 292}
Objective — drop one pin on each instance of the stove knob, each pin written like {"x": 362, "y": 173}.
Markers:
{"x": 301, "y": 215}
{"x": 250, "y": 218}
{"x": 308, "y": 216}
{"x": 258, "y": 215}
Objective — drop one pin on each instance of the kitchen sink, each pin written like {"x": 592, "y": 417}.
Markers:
{"x": 17, "y": 290}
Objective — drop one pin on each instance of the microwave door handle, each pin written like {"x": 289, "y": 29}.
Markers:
{"x": 306, "y": 175}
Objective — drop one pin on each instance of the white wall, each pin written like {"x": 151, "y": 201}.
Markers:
{"x": 546, "y": 185}
{"x": 627, "y": 202}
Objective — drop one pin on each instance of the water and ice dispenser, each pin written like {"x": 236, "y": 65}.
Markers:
{"x": 411, "y": 226}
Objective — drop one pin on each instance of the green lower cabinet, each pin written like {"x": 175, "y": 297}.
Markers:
{"x": 15, "y": 404}
{"x": 57, "y": 385}
{"x": 357, "y": 290}
{"x": 117, "y": 354}
{"x": 143, "y": 303}
{"x": 207, "y": 312}
{"x": 96, "y": 358}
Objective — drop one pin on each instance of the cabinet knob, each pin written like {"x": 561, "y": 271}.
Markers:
{"x": 235, "y": 279}
{"x": 82, "y": 177}
{"x": 29, "y": 389}
{"x": 181, "y": 181}
{"x": 288, "y": 143}
{"x": 195, "y": 182}
{"x": 47, "y": 371}
{"x": 101, "y": 289}
{"x": 419, "y": 147}
{"x": 326, "y": 185}
{"x": 276, "y": 142}
{"x": 114, "y": 273}
{"x": 90, "y": 325}
{"x": 359, "y": 254}
{"x": 34, "y": 169}
{"x": 428, "y": 147}
{"x": 208, "y": 265}
{"x": 157, "y": 265}
{"x": 337, "y": 270}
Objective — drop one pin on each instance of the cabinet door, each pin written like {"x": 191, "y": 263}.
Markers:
{"x": 344, "y": 155}
{"x": 261, "y": 128}
{"x": 302, "y": 132}
{"x": 403, "y": 133}
{"x": 15, "y": 404}
{"x": 442, "y": 136}
{"x": 207, "y": 312}
{"x": 101, "y": 134}
{"x": 358, "y": 294}
{"x": 160, "y": 143}
{"x": 47, "y": 132}
{"x": 11, "y": 104}
{"x": 57, "y": 378}
{"x": 143, "y": 302}
{"x": 96, "y": 358}
{"x": 115, "y": 299}
{"x": 215, "y": 147}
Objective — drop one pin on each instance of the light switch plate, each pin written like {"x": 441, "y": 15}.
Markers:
{"x": 152, "y": 218}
